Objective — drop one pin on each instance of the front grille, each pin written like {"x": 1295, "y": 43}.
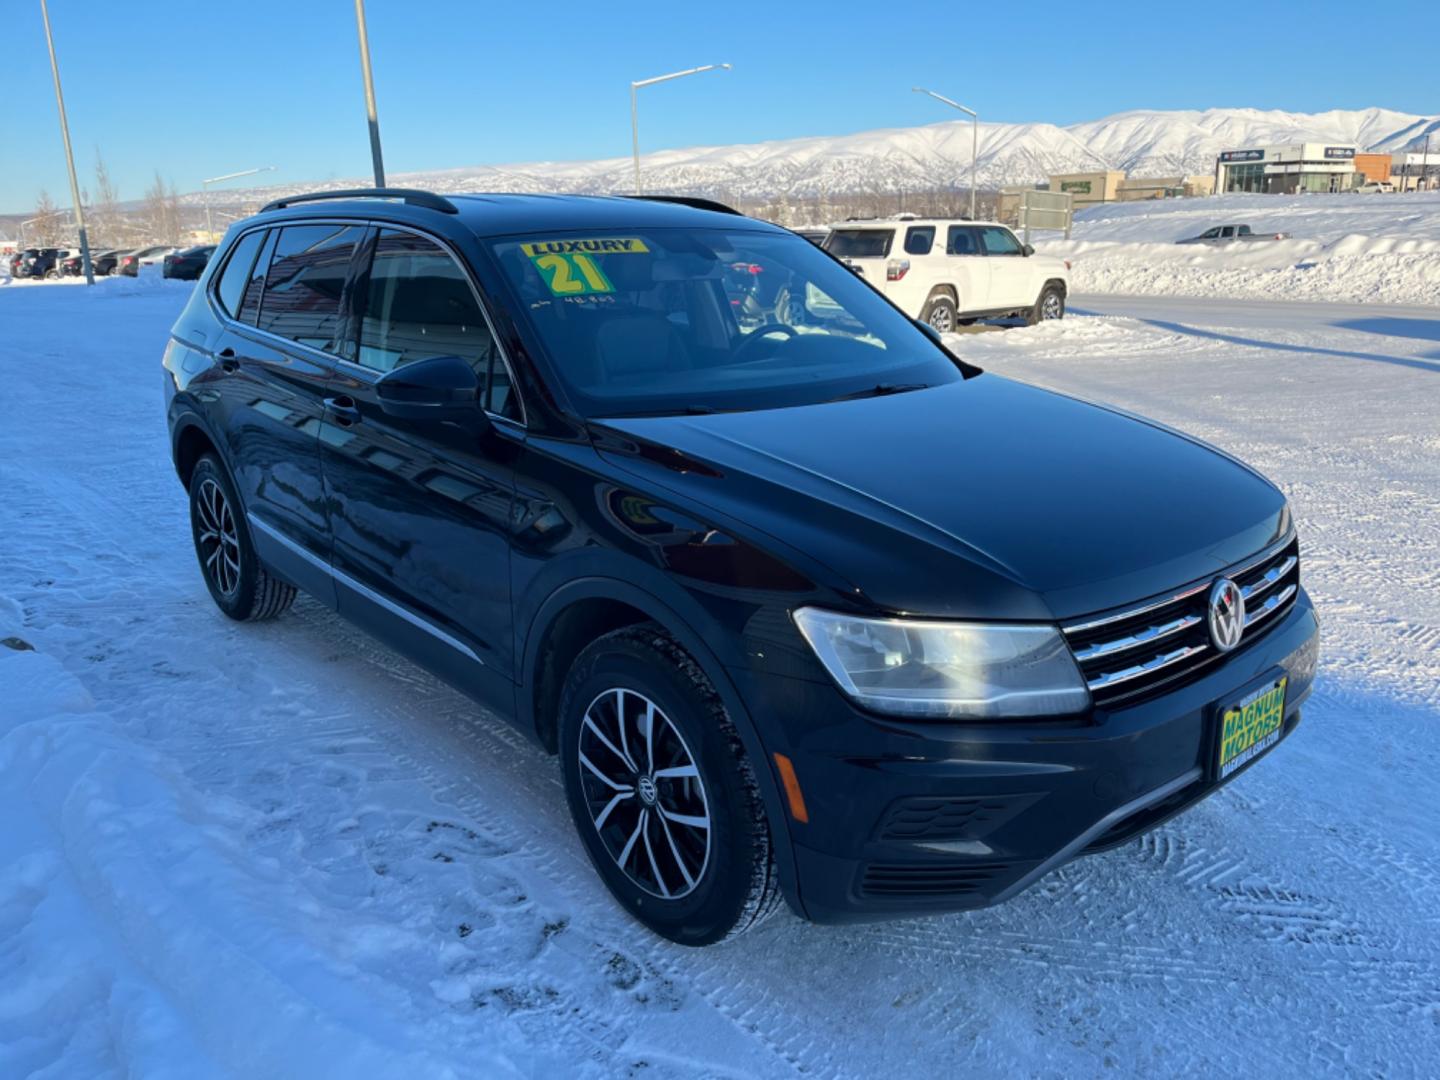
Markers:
{"x": 1159, "y": 644}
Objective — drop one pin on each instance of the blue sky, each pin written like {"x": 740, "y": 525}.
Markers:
{"x": 199, "y": 89}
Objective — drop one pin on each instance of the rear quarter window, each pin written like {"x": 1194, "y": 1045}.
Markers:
{"x": 231, "y": 285}
{"x": 860, "y": 243}
{"x": 919, "y": 239}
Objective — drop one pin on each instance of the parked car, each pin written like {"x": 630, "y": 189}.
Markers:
{"x": 816, "y": 236}
{"x": 187, "y": 265}
{"x": 813, "y": 609}
{"x": 17, "y": 257}
{"x": 1226, "y": 234}
{"x": 948, "y": 272}
{"x": 1375, "y": 187}
{"x": 101, "y": 262}
{"x": 130, "y": 262}
{"x": 40, "y": 262}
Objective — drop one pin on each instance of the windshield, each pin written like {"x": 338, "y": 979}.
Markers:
{"x": 639, "y": 322}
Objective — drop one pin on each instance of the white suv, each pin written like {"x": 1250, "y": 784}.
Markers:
{"x": 948, "y": 273}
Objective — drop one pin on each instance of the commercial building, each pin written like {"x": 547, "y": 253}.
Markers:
{"x": 1287, "y": 170}
{"x": 1137, "y": 188}
{"x": 1373, "y": 167}
{"x": 1415, "y": 171}
{"x": 1089, "y": 188}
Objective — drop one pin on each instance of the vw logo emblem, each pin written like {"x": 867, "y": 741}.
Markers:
{"x": 647, "y": 790}
{"x": 1227, "y": 614}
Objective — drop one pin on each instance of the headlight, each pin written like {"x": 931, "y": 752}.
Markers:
{"x": 951, "y": 670}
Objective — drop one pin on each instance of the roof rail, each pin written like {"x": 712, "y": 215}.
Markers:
{"x": 692, "y": 201}
{"x": 409, "y": 196}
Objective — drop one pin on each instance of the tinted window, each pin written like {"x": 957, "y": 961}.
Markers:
{"x": 998, "y": 242}
{"x": 418, "y": 303}
{"x": 962, "y": 240}
{"x": 250, "y": 301}
{"x": 237, "y": 271}
{"x": 860, "y": 243}
{"x": 919, "y": 239}
{"x": 306, "y": 278}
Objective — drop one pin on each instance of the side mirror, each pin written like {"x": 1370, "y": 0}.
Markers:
{"x": 437, "y": 388}
{"x": 1028, "y": 249}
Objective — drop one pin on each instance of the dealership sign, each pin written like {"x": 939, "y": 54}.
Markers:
{"x": 1243, "y": 155}
{"x": 1345, "y": 152}
{"x": 1080, "y": 187}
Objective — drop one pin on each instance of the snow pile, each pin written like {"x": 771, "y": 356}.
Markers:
{"x": 1356, "y": 248}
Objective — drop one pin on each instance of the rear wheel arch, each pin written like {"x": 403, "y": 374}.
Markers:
{"x": 191, "y": 443}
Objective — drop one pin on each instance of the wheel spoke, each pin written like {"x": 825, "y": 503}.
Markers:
{"x": 624, "y": 855}
{"x": 650, "y": 734}
{"x": 684, "y": 819}
{"x": 611, "y": 784}
{"x": 654, "y": 866}
{"x": 615, "y": 800}
{"x": 210, "y": 559}
{"x": 675, "y": 772}
{"x": 621, "y": 754}
{"x": 675, "y": 851}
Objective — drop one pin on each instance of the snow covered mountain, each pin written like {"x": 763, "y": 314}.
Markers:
{"x": 937, "y": 156}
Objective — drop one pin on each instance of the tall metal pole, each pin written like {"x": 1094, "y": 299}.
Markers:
{"x": 369, "y": 94}
{"x": 69, "y": 156}
{"x": 634, "y": 117}
{"x": 974, "y": 137}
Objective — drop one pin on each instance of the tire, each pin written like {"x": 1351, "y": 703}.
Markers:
{"x": 695, "y": 886}
{"x": 941, "y": 313}
{"x": 52, "y": 275}
{"x": 239, "y": 584}
{"x": 1050, "y": 305}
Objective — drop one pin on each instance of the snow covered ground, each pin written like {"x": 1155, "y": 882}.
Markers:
{"x": 279, "y": 850}
{"x": 1349, "y": 248}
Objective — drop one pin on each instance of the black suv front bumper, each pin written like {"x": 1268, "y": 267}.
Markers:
{"x": 905, "y": 817}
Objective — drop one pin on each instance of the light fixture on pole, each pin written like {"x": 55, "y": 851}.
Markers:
{"x": 69, "y": 157}
{"x": 205, "y": 185}
{"x": 974, "y": 136}
{"x": 374, "y": 120}
{"x": 634, "y": 115}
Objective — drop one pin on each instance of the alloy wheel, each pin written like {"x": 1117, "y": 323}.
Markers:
{"x": 216, "y": 537}
{"x": 1050, "y": 306}
{"x": 942, "y": 319}
{"x": 644, "y": 793}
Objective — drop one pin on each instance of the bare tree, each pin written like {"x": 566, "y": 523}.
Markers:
{"x": 48, "y": 226}
{"x": 103, "y": 213}
{"x": 162, "y": 211}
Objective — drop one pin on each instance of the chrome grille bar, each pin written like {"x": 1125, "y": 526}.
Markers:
{"x": 1274, "y": 604}
{"x": 1114, "y": 678}
{"x": 1140, "y": 637}
{"x": 1269, "y": 578}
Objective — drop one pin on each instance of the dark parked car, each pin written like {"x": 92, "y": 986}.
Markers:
{"x": 808, "y": 608}
{"x": 188, "y": 264}
{"x": 14, "y": 259}
{"x": 101, "y": 262}
{"x": 39, "y": 263}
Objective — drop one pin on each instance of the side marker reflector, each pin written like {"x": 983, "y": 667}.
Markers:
{"x": 792, "y": 789}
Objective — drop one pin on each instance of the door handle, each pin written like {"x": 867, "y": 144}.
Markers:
{"x": 343, "y": 409}
{"x": 229, "y": 362}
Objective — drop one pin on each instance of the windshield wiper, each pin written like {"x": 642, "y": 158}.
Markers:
{"x": 883, "y": 389}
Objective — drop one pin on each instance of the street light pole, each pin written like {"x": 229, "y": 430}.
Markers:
{"x": 69, "y": 156}
{"x": 634, "y": 112}
{"x": 369, "y": 95}
{"x": 974, "y": 136}
{"x": 205, "y": 188}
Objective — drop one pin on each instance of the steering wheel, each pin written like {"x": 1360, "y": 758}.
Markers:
{"x": 764, "y": 332}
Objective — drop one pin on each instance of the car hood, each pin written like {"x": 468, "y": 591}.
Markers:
{"x": 981, "y": 498}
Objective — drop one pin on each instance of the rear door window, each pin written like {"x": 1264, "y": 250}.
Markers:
{"x": 860, "y": 243}
{"x": 417, "y": 303}
{"x": 305, "y": 283}
{"x": 255, "y": 287}
{"x": 236, "y": 274}
{"x": 919, "y": 239}
{"x": 998, "y": 241}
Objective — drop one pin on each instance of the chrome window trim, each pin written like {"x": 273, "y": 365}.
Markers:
{"x": 372, "y": 375}
{"x": 364, "y": 590}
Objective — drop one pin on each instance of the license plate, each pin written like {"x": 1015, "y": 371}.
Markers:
{"x": 1251, "y": 726}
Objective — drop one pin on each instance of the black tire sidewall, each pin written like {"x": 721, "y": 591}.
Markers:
{"x": 241, "y": 602}
{"x": 717, "y": 903}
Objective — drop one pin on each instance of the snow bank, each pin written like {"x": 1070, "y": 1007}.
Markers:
{"x": 1352, "y": 248}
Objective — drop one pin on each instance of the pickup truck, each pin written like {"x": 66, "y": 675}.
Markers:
{"x": 1224, "y": 234}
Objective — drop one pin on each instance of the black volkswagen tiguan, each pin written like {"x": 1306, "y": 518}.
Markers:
{"x": 807, "y": 606}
